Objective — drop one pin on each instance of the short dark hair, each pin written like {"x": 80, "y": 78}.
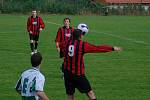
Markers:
{"x": 36, "y": 59}
{"x": 34, "y": 9}
{"x": 77, "y": 34}
{"x": 67, "y": 18}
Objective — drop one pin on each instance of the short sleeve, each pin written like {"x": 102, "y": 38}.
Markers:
{"x": 40, "y": 80}
{"x": 58, "y": 36}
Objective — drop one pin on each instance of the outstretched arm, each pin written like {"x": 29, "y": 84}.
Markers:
{"x": 89, "y": 48}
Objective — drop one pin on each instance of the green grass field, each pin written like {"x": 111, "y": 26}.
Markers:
{"x": 113, "y": 76}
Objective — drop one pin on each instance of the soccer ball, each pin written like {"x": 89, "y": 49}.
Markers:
{"x": 83, "y": 27}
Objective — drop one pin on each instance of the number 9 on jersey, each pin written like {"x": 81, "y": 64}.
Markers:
{"x": 71, "y": 51}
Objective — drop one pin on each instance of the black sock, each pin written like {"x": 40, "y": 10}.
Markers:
{"x": 32, "y": 47}
{"x": 36, "y": 44}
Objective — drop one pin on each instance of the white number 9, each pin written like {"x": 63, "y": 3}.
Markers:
{"x": 71, "y": 50}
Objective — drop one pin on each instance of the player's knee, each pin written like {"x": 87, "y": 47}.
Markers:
{"x": 31, "y": 41}
{"x": 36, "y": 42}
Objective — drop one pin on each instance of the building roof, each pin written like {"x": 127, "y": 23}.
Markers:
{"x": 125, "y": 1}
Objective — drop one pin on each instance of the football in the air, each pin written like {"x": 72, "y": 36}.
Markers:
{"x": 83, "y": 27}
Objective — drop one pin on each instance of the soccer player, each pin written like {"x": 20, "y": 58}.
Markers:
{"x": 74, "y": 75}
{"x": 35, "y": 25}
{"x": 31, "y": 83}
{"x": 64, "y": 34}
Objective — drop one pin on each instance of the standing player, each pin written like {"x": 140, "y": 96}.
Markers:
{"x": 74, "y": 75}
{"x": 31, "y": 83}
{"x": 35, "y": 25}
{"x": 64, "y": 34}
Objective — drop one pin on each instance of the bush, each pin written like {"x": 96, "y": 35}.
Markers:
{"x": 51, "y": 6}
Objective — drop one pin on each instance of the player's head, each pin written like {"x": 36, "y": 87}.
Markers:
{"x": 67, "y": 22}
{"x": 77, "y": 34}
{"x": 36, "y": 59}
{"x": 34, "y": 12}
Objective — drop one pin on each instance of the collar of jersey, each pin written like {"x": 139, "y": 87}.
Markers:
{"x": 35, "y": 68}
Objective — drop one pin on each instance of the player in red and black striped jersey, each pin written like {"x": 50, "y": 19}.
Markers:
{"x": 64, "y": 34}
{"x": 35, "y": 25}
{"x": 74, "y": 74}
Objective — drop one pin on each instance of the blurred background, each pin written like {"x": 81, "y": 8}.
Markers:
{"x": 78, "y": 7}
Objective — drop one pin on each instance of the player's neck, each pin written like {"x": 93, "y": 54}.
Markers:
{"x": 38, "y": 67}
{"x": 34, "y": 16}
{"x": 67, "y": 27}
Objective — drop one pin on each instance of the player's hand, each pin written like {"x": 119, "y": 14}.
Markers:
{"x": 30, "y": 32}
{"x": 40, "y": 29}
{"x": 58, "y": 49}
{"x": 117, "y": 48}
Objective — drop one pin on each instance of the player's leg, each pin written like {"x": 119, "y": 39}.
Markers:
{"x": 31, "y": 43}
{"x": 84, "y": 87}
{"x": 36, "y": 43}
{"x": 69, "y": 85}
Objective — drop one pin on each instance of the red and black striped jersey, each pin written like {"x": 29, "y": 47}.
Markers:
{"x": 64, "y": 34}
{"x": 34, "y": 24}
{"x": 74, "y": 51}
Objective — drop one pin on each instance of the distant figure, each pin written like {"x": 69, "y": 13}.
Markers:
{"x": 31, "y": 82}
{"x": 74, "y": 74}
{"x": 35, "y": 25}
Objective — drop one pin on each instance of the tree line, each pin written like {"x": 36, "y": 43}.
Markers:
{"x": 51, "y": 6}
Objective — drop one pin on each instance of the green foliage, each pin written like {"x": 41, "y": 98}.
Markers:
{"x": 51, "y": 6}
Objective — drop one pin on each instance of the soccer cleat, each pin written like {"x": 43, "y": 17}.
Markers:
{"x": 35, "y": 51}
{"x": 32, "y": 53}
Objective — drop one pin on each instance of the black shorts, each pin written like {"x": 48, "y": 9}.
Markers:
{"x": 28, "y": 98}
{"x": 73, "y": 81}
{"x": 34, "y": 37}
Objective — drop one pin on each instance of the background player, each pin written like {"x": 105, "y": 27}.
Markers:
{"x": 64, "y": 34}
{"x": 35, "y": 25}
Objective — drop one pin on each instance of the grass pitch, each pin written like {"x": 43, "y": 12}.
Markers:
{"x": 113, "y": 76}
